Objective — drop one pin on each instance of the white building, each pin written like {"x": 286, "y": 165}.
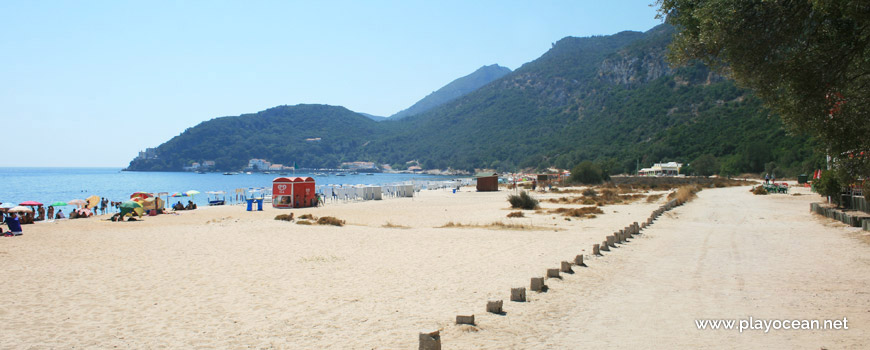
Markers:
{"x": 258, "y": 164}
{"x": 662, "y": 169}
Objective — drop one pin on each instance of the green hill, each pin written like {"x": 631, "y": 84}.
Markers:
{"x": 281, "y": 134}
{"x": 455, "y": 89}
{"x": 612, "y": 99}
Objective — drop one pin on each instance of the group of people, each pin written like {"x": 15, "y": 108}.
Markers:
{"x": 178, "y": 206}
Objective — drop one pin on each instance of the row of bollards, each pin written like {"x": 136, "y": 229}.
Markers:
{"x": 432, "y": 340}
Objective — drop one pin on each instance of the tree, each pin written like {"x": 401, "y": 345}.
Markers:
{"x": 828, "y": 186}
{"x": 806, "y": 59}
{"x": 587, "y": 173}
{"x": 705, "y": 165}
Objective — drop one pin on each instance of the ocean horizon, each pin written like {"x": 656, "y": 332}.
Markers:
{"x": 52, "y": 184}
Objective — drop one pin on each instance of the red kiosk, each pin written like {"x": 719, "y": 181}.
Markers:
{"x": 293, "y": 192}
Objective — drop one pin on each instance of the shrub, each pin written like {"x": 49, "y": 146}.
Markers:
{"x": 578, "y": 212}
{"x": 307, "y": 217}
{"x": 759, "y": 190}
{"x": 285, "y": 217}
{"x": 330, "y": 220}
{"x": 516, "y": 214}
{"x": 589, "y": 192}
{"x": 684, "y": 194}
{"x": 303, "y": 222}
{"x": 829, "y": 186}
{"x": 523, "y": 201}
{"x": 653, "y": 197}
{"x": 587, "y": 173}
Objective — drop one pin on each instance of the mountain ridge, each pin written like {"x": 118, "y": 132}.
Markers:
{"x": 455, "y": 89}
{"x": 613, "y": 99}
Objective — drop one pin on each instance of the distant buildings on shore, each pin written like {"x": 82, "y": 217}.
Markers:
{"x": 662, "y": 169}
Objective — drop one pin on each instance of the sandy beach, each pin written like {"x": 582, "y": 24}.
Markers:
{"x": 222, "y": 277}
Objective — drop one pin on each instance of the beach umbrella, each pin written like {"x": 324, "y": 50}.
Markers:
{"x": 93, "y": 201}
{"x": 7, "y": 205}
{"x": 59, "y": 204}
{"x": 192, "y": 193}
{"x": 20, "y": 209}
{"x": 130, "y": 205}
{"x": 77, "y": 202}
{"x": 141, "y": 194}
{"x": 179, "y": 194}
{"x": 30, "y": 203}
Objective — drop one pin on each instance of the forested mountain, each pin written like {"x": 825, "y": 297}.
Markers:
{"x": 309, "y": 135}
{"x": 455, "y": 89}
{"x": 612, "y": 99}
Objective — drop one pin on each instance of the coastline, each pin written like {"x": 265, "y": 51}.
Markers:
{"x": 223, "y": 277}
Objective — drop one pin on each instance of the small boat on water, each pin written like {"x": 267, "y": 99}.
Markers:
{"x": 231, "y": 173}
{"x": 341, "y": 174}
{"x": 369, "y": 174}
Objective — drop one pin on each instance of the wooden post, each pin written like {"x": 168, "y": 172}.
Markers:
{"x": 518, "y": 294}
{"x": 537, "y": 284}
{"x": 578, "y": 260}
{"x": 553, "y": 273}
{"x": 430, "y": 341}
{"x": 595, "y": 250}
{"x": 566, "y": 267}
{"x": 465, "y": 319}
{"x": 494, "y": 306}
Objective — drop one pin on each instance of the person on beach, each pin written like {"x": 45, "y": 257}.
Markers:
{"x": 50, "y": 212}
{"x": 14, "y": 224}
{"x": 766, "y": 179}
{"x": 59, "y": 214}
{"x": 103, "y": 203}
{"x": 534, "y": 184}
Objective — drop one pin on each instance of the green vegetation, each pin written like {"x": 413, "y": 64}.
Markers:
{"x": 455, "y": 89}
{"x": 829, "y": 186}
{"x": 806, "y": 60}
{"x": 523, "y": 201}
{"x": 587, "y": 173}
{"x": 612, "y": 100}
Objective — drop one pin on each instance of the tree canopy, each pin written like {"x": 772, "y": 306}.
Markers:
{"x": 807, "y": 60}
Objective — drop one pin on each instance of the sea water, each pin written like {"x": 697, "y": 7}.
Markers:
{"x": 48, "y": 185}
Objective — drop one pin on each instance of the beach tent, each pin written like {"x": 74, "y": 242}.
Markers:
{"x": 293, "y": 192}
{"x": 487, "y": 182}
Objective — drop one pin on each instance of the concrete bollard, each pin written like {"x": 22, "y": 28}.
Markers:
{"x": 604, "y": 247}
{"x": 430, "y": 341}
{"x": 611, "y": 241}
{"x": 465, "y": 319}
{"x": 578, "y": 260}
{"x": 566, "y": 267}
{"x": 494, "y": 306}
{"x": 537, "y": 284}
{"x": 636, "y": 228}
{"x": 518, "y": 294}
{"x": 595, "y": 249}
{"x": 553, "y": 273}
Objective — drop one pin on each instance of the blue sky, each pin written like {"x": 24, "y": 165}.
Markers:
{"x": 91, "y": 83}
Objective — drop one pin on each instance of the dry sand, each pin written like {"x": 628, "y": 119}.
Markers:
{"x": 225, "y": 278}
